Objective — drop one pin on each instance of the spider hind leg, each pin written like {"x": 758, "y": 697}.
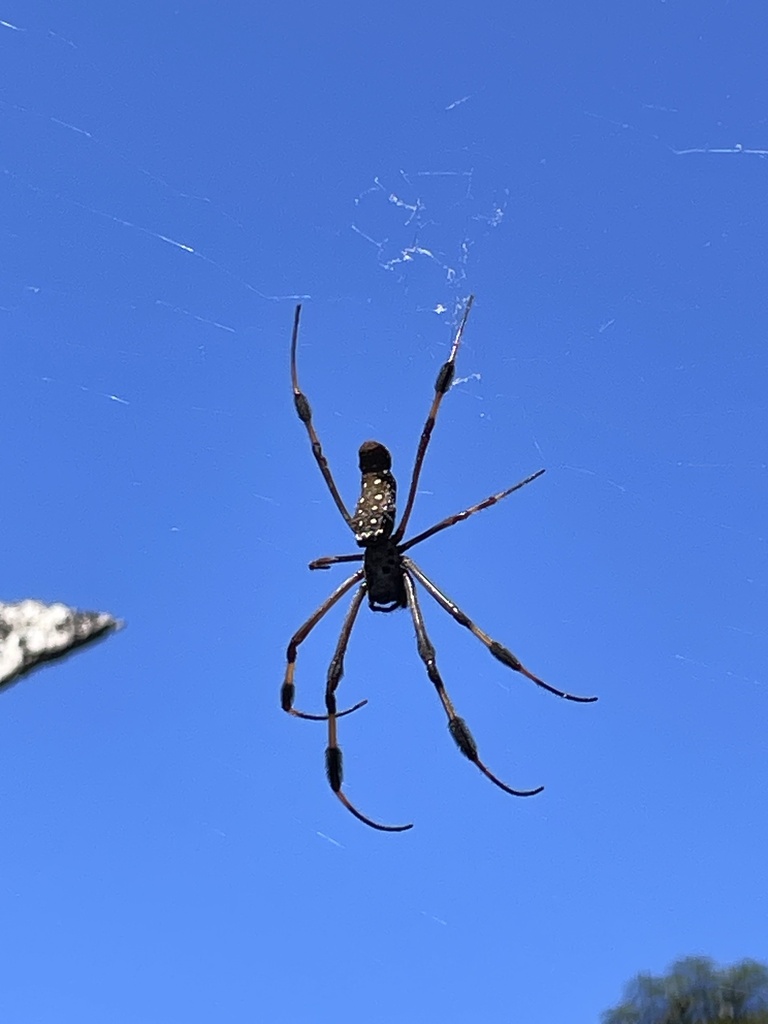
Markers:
{"x": 333, "y": 763}
{"x": 288, "y": 689}
{"x": 465, "y": 741}
{"x": 457, "y": 726}
{"x": 499, "y": 651}
{"x": 333, "y": 755}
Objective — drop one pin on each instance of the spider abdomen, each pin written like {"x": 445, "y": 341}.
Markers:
{"x": 383, "y": 567}
{"x": 374, "y": 516}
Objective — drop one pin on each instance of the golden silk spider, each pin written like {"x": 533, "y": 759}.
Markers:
{"x": 388, "y": 577}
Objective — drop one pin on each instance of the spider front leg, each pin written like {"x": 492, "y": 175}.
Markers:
{"x": 288, "y": 690}
{"x": 442, "y": 385}
{"x": 458, "y": 727}
{"x": 304, "y": 412}
{"x": 333, "y": 756}
{"x": 501, "y": 653}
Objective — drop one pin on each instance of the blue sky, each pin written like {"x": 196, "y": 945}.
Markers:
{"x": 173, "y": 177}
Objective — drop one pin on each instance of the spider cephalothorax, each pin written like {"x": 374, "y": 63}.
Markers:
{"x": 388, "y": 577}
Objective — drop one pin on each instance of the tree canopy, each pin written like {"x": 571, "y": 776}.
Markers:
{"x": 696, "y": 991}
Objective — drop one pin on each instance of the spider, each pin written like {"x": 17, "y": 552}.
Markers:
{"x": 388, "y": 578}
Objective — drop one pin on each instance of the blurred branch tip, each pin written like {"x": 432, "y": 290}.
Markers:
{"x": 33, "y": 633}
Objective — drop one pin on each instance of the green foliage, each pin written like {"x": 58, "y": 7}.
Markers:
{"x": 696, "y": 991}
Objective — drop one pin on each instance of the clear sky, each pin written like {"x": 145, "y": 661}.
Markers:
{"x": 174, "y": 176}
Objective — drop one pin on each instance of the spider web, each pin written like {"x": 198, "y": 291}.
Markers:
{"x": 193, "y": 284}
{"x": 153, "y": 250}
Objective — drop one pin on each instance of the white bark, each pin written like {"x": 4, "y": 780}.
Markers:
{"x": 32, "y": 633}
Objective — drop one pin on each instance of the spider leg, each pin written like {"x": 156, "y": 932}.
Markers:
{"x": 458, "y": 727}
{"x": 442, "y": 384}
{"x": 328, "y": 560}
{"x": 288, "y": 690}
{"x": 459, "y": 517}
{"x": 305, "y": 415}
{"x": 503, "y": 654}
{"x": 333, "y": 756}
